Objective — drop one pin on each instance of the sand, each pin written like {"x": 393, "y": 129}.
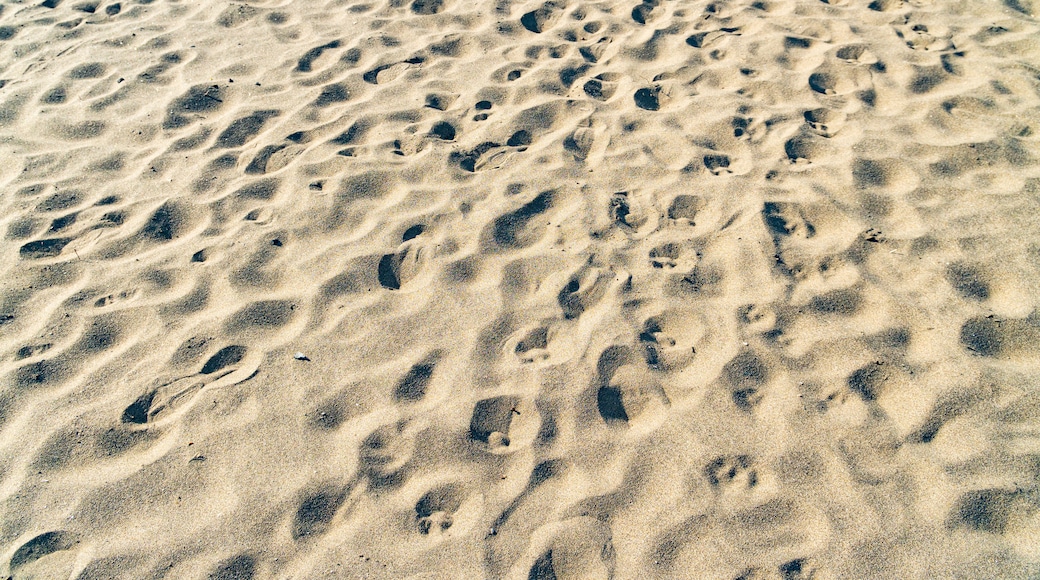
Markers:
{"x": 450, "y": 290}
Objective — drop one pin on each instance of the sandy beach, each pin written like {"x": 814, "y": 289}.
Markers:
{"x": 543, "y": 290}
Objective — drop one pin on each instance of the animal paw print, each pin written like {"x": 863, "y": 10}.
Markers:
{"x": 729, "y": 473}
{"x": 434, "y": 512}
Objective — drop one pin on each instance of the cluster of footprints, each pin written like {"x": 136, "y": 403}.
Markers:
{"x": 631, "y": 388}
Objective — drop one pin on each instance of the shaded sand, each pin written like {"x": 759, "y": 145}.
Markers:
{"x": 440, "y": 290}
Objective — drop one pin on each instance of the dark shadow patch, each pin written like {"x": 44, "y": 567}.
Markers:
{"x": 137, "y": 412}
{"x": 983, "y": 336}
{"x": 354, "y": 133}
{"x": 414, "y": 384}
{"x": 329, "y": 416}
{"x": 40, "y": 546}
{"x": 427, "y": 7}
{"x": 610, "y": 405}
{"x": 41, "y": 374}
{"x": 82, "y": 130}
{"x": 241, "y": 567}
{"x": 263, "y": 189}
{"x": 165, "y": 224}
{"x": 969, "y": 281}
{"x": 388, "y": 272}
{"x": 685, "y": 207}
{"x": 244, "y": 129}
{"x": 55, "y": 96}
{"x": 368, "y": 185}
{"x": 507, "y": 229}
{"x": 91, "y": 70}
{"x": 316, "y": 512}
{"x": 869, "y": 173}
{"x": 542, "y": 569}
{"x": 43, "y": 248}
{"x": 746, "y": 370}
{"x": 223, "y": 358}
{"x": 199, "y": 99}
{"x": 263, "y": 314}
{"x": 843, "y": 302}
{"x": 331, "y": 94}
{"x": 868, "y": 381}
{"x": 985, "y": 510}
{"x": 926, "y": 78}
{"x": 306, "y": 61}
{"x": 259, "y": 163}
{"x": 99, "y": 336}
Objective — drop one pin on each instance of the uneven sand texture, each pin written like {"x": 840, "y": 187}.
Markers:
{"x": 479, "y": 290}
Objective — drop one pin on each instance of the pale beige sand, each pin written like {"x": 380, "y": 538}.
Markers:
{"x": 443, "y": 289}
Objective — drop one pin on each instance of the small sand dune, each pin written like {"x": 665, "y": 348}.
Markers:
{"x": 429, "y": 289}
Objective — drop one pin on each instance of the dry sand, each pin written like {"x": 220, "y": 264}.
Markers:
{"x": 437, "y": 290}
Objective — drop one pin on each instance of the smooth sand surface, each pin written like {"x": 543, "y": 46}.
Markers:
{"x": 478, "y": 290}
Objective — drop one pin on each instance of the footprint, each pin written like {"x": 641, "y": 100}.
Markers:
{"x": 825, "y": 122}
{"x": 580, "y": 548}
{"x": 584, "y": 290}
{"x": 684, "y": 208}
{"x": 504, "y": 423}
{"x": 600, "y": 51}
{"x": 631, "y": 218}
{"x": 435, "y": 510}
{"x": 731, "y": 473}
{"x": 385, "y": 453}
{"x": 113, "y": 299}
{"x": 173, "y": 398}
{"x": 633, "y": 397}
{"x": 543, "y": 18}
{"x": 786, "y": 220}
{"x": 746, "y": 374}
{"x": 533, "y": 346}
{"x": 395, "y": 270}
{"x": 306, "y": 62}
{"x": 602, "y": 87}
{"x": 669, "y": 340}
{"x": 389, "y": 72}
{"x": 651, "y": 98}
{"x": 717, "y": 163}
{"x": 666, "y": 256}
{"x": 513, "y": 230}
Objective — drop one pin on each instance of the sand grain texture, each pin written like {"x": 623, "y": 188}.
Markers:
{"x": 536, "y": 290}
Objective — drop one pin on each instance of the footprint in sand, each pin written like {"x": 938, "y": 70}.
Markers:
{"x": 406, "y": 264}
{"x": 504, "y": 424}
{"x": 578, "y": 548}
{"x": 172, "y": 398}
